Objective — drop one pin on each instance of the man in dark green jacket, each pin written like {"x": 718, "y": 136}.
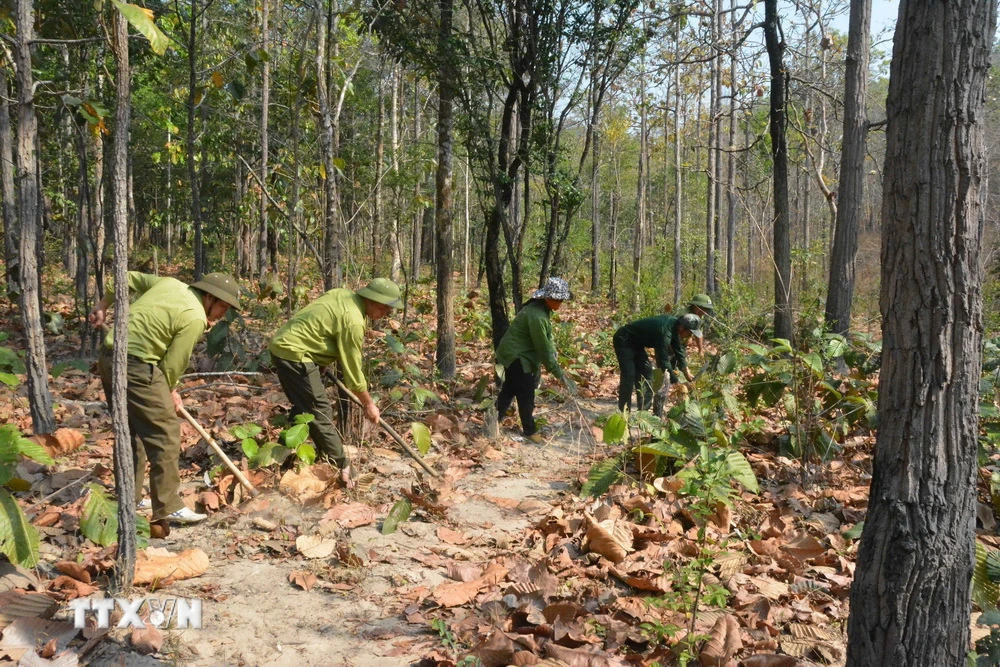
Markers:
{"x": 667, "y": 336}
{"x": 525, "y": 348}
{"x": 330, "y": 329}
{"x": 702, "y": 306}
{"x": 164, "y": 324}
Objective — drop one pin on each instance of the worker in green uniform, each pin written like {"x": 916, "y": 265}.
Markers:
{"x": 525, "y": 348}
{"x": 164, "y": 323}
{"x": 330, "y": 329}
{"x": 667, "y": 335}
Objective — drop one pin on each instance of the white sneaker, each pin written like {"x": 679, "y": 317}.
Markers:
{"x": 145, "y": 505}
{"x": 186, "y": 516}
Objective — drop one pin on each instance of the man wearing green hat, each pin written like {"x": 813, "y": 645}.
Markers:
{"x": 702, "y": 306}
{"x": 164, "y": 323}
{"x": 331, "y": 328}
{"x": 667, "y": 335}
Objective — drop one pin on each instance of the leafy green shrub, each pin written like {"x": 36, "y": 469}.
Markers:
{"x": 99, "y": 519}
{"x": 18, "y": 538}
{"x": 293, "y": 441}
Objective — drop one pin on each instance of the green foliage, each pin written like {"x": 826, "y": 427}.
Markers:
{"x": 261, "y": 452}
{"x": 421, "y": 437}
{"x": 61, "y": 367}
{"x": 18, "y": 538}
{"x": 99, "y": 520}
{"x": 142, "y": 20}
{"x": 399, "y": 513}
{"x": 602, "y": 477}
{"x": 10, "y": 365}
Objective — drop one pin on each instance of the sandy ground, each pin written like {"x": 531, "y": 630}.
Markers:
{"x": 357, "y": 616}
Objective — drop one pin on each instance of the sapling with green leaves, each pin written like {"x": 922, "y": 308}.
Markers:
{"x": 18, "y": 538}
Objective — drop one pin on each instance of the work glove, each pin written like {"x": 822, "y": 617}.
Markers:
{"x": 570, "y": 385}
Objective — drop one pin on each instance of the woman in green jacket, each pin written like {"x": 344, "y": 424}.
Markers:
{"x": 525, "y": 348}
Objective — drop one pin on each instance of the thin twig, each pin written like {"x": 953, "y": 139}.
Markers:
{"x": 218, "y": 384}
{"x": 218, "y": 373}
{"x": 78, "y": 480}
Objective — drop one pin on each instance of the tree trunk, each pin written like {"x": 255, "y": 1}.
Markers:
{"x": 265, "y": 104}
{"x": 331, "y": 223}
{"x": 418, "y": 215}
{"x": 637, "y": 237}
{"x": 731, "y": 165}
{"x": 840, "y": 291}
{"x": 42, "y": 418}
{"x": 910, "y": 598}
{"x": 678, "y": 174}
{"x": 123, "y": 461}
{"x": 445, "y": 204}
{"x": 396, "y": 266}
{"x": 595, "y": 213}
{"x": 169, "y": 230}
{"x": 779, "y": 154}
{"x": 11, "y": 248}
{"x": 192, "y": 46}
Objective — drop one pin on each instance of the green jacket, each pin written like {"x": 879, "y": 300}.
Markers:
{"x": 659, "y": 333}
{"x": 331, "y": 328}
{"x": 164, "y": 323}
{"x": 529, "y": 339}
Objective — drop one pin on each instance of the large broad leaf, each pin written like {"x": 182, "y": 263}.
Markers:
{"x": 614, "y": 429}
{"x": 421, "y": 437}
{"x": 296, "y": 435}
{"x": 726, "y": 364}
{"x": 393, "y": 344}
{"x": 740, "y": 470}
{"x": 814, "y": 362}
{"x": 99, "y": 521}
{"x": 18, "y": 538}
{"x": 9, "y": 379}
{"x": 399, "y": 513}
{"x": 244, "y": 431}
{"x": 34, "y": 451}
{"x": 692, "y": 421}
{"x": 985, "y": 592}
{"x": 142, "y": 20}
{"x": 602, "y": 476}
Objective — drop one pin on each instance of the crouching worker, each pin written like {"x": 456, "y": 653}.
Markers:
{"x": 667, "y": 335}
{"x": 330, "y": 329}
{"x": 525, "y": 348}
{"x": 164, "y": 324}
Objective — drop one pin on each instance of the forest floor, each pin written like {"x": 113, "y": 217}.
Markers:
{"x": 501, "y": 560}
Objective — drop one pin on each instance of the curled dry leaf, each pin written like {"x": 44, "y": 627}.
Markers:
{"x": 60, "y": 443}
{"x": 147, "y": 640}
{"x": 463, "y": 571}
{"x": 454, "y": 595}
{"x": 302, "y": 487}
{"x": 161, "y": 566}
{"x": 71, "y": 588}
{"x": 611, "y": 539}
{"x": 75, "y": 570}
{"x": 723, "y": 643}
{"x": 497, "y": 650}
{"x": 302, "y": 578}
{"x": 804, "y": 547}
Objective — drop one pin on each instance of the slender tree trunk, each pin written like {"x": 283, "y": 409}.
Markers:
{"x": 779, "y": 154}
{"x": 595, "y": 213}
{"x": 678, "y": 174}
{"x": 11, "y": 235}
{"x": 377, "y": 240}
{"x": 710, "y": 190}
{"x": 637, "y": 237}
{"x": 169, "y": 229}
{"x": 910, "y": 598}
{"x": 199, "y": 267}
{"x": 331, "y": 223}
{"x": 42, "y": 417}
{"x": 418, "y": 215}
{"x": 123, "y": 461}
{"x": 265, "y": 105}
{"x": 465, "y": 252}
{"x": 840, "y": 291}
{"x": 98, "y": 229}
{"x": 396, "y": 267}
{"x": 445, "y": 204}
{"x": 731, "y": 162}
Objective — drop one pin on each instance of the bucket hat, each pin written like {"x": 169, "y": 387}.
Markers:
{"x": 703, "y": 301}
{"x": 556, "y": 289}
{"x": 220, "y": 285}
{"x": 692, "y": 323}
{"x": 382, "y": 290}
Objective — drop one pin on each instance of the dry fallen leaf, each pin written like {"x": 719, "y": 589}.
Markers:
{"x": 454, "y": 595}
{"x": 450, "y": 536}
{"x": 351, "y": 515}
{"x": 302, "y": 487}
{"x": 147, "y": 640}
{"x": 771, "y": 660}
{"x": 60, "y": 443}
{"x": 611, "y": 539}
{"x": 303, "y": 579}
{"x": 723, "y": 643}
{"x": 161, "y": 566}
{"x": 75, "y": 570}
{"x": 313, "y": 546}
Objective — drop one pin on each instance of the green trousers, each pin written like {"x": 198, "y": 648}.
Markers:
{"x": 303, "y": 385}
{"x": 155, "y": 432}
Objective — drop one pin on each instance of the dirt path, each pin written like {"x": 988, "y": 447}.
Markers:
{"x": 362, "y": 616}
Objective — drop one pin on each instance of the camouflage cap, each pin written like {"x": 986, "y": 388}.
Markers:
{"x": 692, "y": 323}
{"x": 556, "y": 289}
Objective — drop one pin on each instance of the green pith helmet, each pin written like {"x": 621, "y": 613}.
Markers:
{"x": 692, "y": 323}
{"x": 222, "y": 286}
{"x": 382, "y": 290}
{"x": 703, "y": 301}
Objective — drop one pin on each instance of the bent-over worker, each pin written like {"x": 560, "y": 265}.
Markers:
{"x": 667, "y": 335}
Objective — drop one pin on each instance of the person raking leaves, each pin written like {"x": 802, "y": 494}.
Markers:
{"x": 525, "y": 348}
{"x": 164, "y": 323}
{"x": 667, "y": 335}
{"x": 330, "y": 329}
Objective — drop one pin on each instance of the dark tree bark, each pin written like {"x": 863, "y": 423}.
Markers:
{"x": 11, "y": 248}
{"x": 850, "y": 198}
{"x": 42, "y": 417}
{"x": 910, "y": 598}
{"x": 331, "y": 222}
{"x": 123, "y": 462}
{"x": 265, "y": 104}
{"x": 775, "y": 43}
{"x": 445, "y": 203}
